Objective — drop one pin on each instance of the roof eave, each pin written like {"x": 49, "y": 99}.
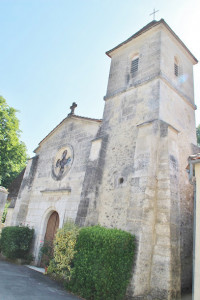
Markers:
{"x": 68, "y": 117}
{"x": 138, "y": 33}
{"x": 148, "y": 27}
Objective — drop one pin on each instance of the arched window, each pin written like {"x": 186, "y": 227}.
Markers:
{"x": 176, "y": 67}
{"x": 134, "y": 64}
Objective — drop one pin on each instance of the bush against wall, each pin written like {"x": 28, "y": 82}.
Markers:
{"x": 64, "y": 244}
{"x": 5, "y": 211}
{"x": 102, "y": 263}
{"x": 46, "y": 252}
{"x": 16, "y": 241}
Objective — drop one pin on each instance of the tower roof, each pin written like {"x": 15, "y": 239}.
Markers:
{"x": 148, "y": 27}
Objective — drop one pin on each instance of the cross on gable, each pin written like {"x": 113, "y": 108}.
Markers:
{"x": 153, "y": 13}
{"x": 72, "y": 107}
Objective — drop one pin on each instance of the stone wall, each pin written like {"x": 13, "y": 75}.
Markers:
{"x": 139, "y": 182}
{"x": 148, "y": 47}
{"x": 196, "y": 282}
{"x": 40, "y": 193}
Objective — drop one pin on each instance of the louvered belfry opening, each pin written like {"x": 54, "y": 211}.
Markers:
{"x": 134, "y": 65}
{"x": 176, "y": 66}
{"x": 176, "y": 69}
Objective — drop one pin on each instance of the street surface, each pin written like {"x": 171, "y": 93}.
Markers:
{"x": 21, "y": 283}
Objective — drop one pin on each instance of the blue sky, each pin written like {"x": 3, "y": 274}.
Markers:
{"x": 52, "y": 53}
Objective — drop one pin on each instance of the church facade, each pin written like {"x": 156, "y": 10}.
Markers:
{"x": 128, "y": 169}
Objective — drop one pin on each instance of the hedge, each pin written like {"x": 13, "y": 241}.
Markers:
{"x": 102, "y": 263}
{"x": 16, "y": 241}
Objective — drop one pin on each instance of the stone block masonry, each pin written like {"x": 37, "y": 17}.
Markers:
{"x": 143, "y": 188}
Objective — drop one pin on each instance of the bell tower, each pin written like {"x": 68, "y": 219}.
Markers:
{"x": 139, "y": 182}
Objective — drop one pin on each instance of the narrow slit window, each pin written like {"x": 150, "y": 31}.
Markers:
{"x": 134, "y": 65}
{"x": 121, "y": 180}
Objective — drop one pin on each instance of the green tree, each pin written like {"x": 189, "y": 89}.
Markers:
{"x": 13, "y": 154}
{"x": 198, "y": 135}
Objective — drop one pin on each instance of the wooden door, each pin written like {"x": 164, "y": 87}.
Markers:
{"x": 52, "y": 227}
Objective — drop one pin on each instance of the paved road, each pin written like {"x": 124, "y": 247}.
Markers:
{"x": 21, "y": 283}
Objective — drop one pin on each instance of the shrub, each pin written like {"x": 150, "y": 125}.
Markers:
{"x": 5, "y": 211}
{"x": 16, "y": 241}
{"x": 46, "y": 252}
{"x": 102, "y": 263}
{"x": 64, "y": 244}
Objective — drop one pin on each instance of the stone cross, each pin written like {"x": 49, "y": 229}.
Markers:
{"x": 153, "y": 13}
{"x": 72, "y": 107}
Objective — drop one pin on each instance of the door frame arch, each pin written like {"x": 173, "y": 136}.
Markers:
{"x": 52, "y": 226}
{"x": 40, "y": 239}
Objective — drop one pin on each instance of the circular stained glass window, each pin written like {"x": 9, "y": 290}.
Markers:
{"x": 62, "y": 162}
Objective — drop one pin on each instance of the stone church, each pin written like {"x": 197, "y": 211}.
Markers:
{"x": 127, "y": 170}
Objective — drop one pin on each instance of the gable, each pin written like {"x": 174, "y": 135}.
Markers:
{"x": 68, "y": 125}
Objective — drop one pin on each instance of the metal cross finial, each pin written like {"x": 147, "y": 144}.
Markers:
{"x": 72, "y": 107}
{"x": 153, "y": 13}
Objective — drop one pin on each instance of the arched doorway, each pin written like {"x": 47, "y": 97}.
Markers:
{"x": 52, "y": 226}
{"x": 47, "y": 249}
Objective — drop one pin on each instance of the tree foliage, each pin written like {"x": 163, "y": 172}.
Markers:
{"x": 198, "y": 135}
{"x": 13, "y": 154}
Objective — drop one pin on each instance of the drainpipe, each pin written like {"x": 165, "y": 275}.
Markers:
{"x": 193, "y": 182}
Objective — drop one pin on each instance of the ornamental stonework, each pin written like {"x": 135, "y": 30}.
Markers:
{"x": 62, "y": 162}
